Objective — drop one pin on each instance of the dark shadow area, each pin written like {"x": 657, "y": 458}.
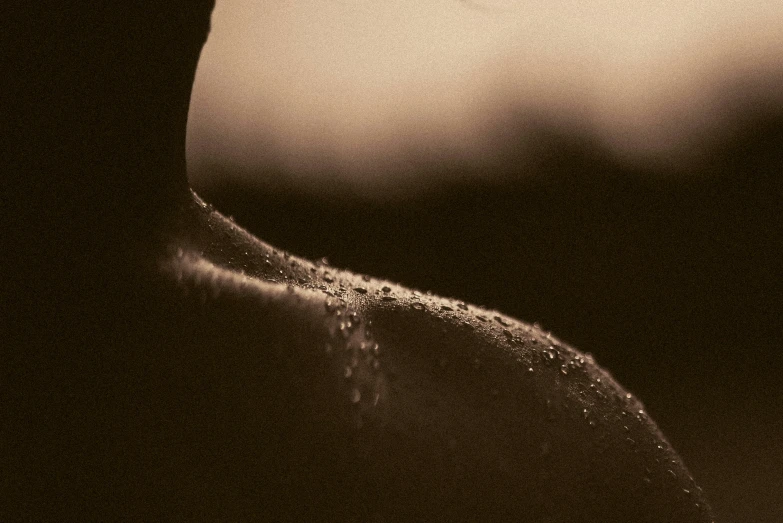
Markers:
{"x": 673, "y": 281}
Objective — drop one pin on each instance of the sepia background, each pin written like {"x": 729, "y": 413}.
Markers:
{"x": 609, "y": 170}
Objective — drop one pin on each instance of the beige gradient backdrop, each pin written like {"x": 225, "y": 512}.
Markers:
{"x": 357, "y": 83}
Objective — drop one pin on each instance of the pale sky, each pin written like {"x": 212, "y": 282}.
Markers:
{"x": 354, "y": 82}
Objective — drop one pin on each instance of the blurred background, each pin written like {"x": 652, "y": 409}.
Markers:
{"x": 611, "y": 171}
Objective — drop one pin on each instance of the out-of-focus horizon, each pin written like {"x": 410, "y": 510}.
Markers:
{"x": 363, "y": 87}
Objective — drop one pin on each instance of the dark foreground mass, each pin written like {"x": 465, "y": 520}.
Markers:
{"x": 243, "y": 382}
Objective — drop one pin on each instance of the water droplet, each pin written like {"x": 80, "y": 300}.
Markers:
{"x": 360, "y": 290}
{"x": 446, "y": 308}
{"x": 328, "y": 279}
{"x": 462, "y": 306}
{"x": 389, "y": 298}
{"x": 386, "y": 289}
{"x": 507, "y": 334}
{"x": 502, "y": 321}
{"x": 356, "y": 396}
{"x": 482, "y": 318}
{"x": 366, "y": 278}
{"x": 530, "y": 369}
{"x": 418, "y": 306}
{"x": 628, "y": 396}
